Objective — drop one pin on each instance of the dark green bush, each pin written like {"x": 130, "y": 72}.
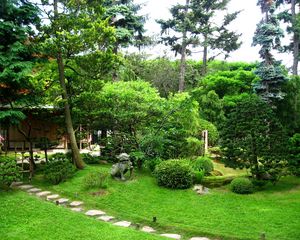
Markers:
{"x": 58, "y": 171}
{"x": 152, "y": 163}
{"x": 241, "y": 186}
{"x": 89, "y": 159}
{"x": 95, "y": 180}
{"x": 174, "y": 174}
{"x": 203, "y": 163}
{"x": 60, "y": 156}
{"x": 198, "y": 177}
{"x": 9, "y": 171}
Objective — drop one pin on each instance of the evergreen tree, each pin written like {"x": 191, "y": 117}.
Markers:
{"x": 270, "y": 71}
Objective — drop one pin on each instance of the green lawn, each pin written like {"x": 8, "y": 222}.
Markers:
{"x": 275, "y": 211}
{"x": 26, "y": 217}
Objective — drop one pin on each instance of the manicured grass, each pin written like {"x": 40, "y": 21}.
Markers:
{"x": 274, "y": 211}
{"x": 27, "y": 217}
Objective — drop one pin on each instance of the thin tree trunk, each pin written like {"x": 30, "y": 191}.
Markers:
{"x": 295, "y": 39}
{"x": 183, "y": 51}
{"x": 68, "y": 119}
{"x": 204, "y": 60}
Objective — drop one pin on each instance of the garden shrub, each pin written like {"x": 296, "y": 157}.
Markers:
{"x": 216, "y": 181}
{"x": 241, "y": 186}
{"x": 203, "y": 163}
{"x": 174, "y": 174}
{"x": 193, "y": 147}
{"x": 152, "y": 163}
{"x": 95, "y": 180}
{"x": 58, "y": 171}
{"x": 60, "y": 156}
{"x": 89, "y": 159}
{"x": 294, "y": 154}
{"x": 198, "y": 176}
{"x": 9, "y": 171}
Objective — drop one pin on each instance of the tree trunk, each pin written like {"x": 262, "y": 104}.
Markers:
{"x": 68, "y": 119}
{"x": 295, "y": 38}
{"x": 183, "y": 51}
{"x": 204, "y": 60}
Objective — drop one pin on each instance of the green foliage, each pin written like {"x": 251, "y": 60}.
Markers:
{"x": 198, "y": 176}
{"x": 58, "y": 171}
{"x": 203, "y": 164}
{"x": 193, "y": 147}
{"x": 9, "y": 171}
{"x": 241, "y": 186}
{"x": 152, "y": 163}
{"x": 95, "y": 180}
{"x": 174, "y": 174}
{"x": 60, "y": 157}
{"x": 89, "y": 159}
{"x": 294, "y": 154}
{"x": 213, "y": 133}
{"x": 253, "y": 138}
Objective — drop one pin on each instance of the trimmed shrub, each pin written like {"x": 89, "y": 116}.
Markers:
{"x": 174, "y": 174}
{"x": 9, "y": 171}
{"x": 203, "y": 163}
{"x": 95, "y": 180}
{"x": 60, "y": 156}
{"x": 193, "y": 147}
{"x": 241, "y": 186}
{"x": 152, "y": 163}
{"x": 58, "y": 171}
{"x": 89, "y": 159}
{"x": 198, "y": 177}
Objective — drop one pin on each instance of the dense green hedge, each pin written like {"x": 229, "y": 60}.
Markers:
{"x": 241, "y": 186}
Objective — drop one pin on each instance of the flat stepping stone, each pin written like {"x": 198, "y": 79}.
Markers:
{"x": 15, "y": 184}
{"x": 62, "y": 201}
{"x": 147, "y": 229}
{"x": 52, "y": 197}
{"x": 105, "y": 218}
{"x": 76, "y": 209}
{"x": 42, "y": 194}
{"x": 93, "y": 213}
{"x": 122, "y": 224}
{"x": 76, "y": 204}
{"x": 171, "y": 235}
{"x": 25, "y": 187}
{"x": 199, "y": 238}
{"x": 34, "y": 190}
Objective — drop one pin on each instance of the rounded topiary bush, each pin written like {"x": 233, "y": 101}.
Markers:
{"x": 58, "y": 171}
{"x": 9, "y": 171}
{"x": 241, "y": 186}
{"x": 174, "y": 174}
{"x": 89, "y": 159}
{"x": 203, "y": 163}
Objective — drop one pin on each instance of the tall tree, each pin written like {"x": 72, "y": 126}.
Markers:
{"x": 76, "y": 28}
{"x": 268, "y": 34}
{"x": 291, "y": 17}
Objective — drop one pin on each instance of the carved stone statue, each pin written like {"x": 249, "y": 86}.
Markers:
{"x": 119, "y": 169}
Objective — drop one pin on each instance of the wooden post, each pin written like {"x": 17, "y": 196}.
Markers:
{"x": 205, "y": 138}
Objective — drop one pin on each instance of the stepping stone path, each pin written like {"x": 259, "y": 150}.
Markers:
{"x": 105, "y": 218}
{"x": 76, "y": 204}
{"x": 93, "y": 213}
{"x": 25, "y": 187}
{"x": 34, "y": 190}
{"x": 199, "y": 238}
{"x": 62, "y": 201}
{"x": 52, "y": 197}
{"x": 171, "y": 235}
{"x": 122, "y": 224}
{"x": 42, "y": 194}
{"x": 148, "y": 229}
{"x": 76, "y": 209}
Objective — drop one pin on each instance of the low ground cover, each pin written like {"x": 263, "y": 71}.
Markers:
{"x": 274, "y": 210}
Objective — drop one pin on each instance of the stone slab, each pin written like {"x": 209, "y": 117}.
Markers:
{"x": 42, "y": 194}
{"x": 106, "y": 218}
{"x": 76, "y": 203}
{"x": 62, "y": 200}
{"x": 25, "y": 187}
{"x": 199, "y": 238}
{"x": 52, "y": 197}
{"x": 171, "y": 235}
{"x": 76, "y": 209}
{"x": 122, "y": 224}
{"x": 34, "y": 190}
{"x": 93, "y": 213}
{"x": 15, "y": 184}
{"x": 147, "y": 229}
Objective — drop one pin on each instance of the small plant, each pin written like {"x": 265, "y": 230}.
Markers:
{"x": 241, "y": 186}
{"x": 198, "y": 176}
{"x": 9, "y": 171}
{"x": 58, "y": 171}
{"x": 203, "y": 163}
{"x": 95, "y": 180}
{"x": 89, "y": 159}
{"x": 152, "y": 163}
{"x": 174, "y": 174}
{"x": 60, "y": 157}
